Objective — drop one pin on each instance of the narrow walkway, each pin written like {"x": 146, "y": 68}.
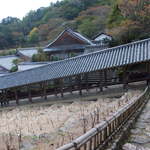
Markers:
{"x": 140, "y": 134}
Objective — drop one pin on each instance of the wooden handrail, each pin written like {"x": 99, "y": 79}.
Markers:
{"x": 100, "y": 135}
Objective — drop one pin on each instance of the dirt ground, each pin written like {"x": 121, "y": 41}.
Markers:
{"x": 49, "y": 125}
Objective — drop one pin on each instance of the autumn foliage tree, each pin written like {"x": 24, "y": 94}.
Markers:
{"x": 135, "y": 20}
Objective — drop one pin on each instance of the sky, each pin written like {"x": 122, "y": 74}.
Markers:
{"x": 19, "y": 8}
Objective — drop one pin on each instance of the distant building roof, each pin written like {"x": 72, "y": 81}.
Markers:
{"x": 102, "y": 36}
{"x": 132, "y": 53}
{"x": 53, "y": 46}
{"x": 29, "y": 65}
{"x": 28, "y": 52}
{"x": 7, "y": 61}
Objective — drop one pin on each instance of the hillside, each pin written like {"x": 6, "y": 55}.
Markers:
{"x": 124, "y": 20}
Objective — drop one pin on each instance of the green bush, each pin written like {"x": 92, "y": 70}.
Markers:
{"x": 14, "y": 69}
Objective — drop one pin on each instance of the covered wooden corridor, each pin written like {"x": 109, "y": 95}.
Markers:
{"x": 119, "y": 65}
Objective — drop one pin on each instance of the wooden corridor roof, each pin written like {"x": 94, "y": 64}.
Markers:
{"x": 131, "y": 53}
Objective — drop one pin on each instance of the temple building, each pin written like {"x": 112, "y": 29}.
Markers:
{"x": 67, "y": 44}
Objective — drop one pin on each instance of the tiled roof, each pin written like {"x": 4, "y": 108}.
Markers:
{"x": 7, "y": 61}
{"x": 74, "y": 34}
{"x": 29, "y": 65}
{"x": 29, "y": 52}
{"x": 131, "y": 53}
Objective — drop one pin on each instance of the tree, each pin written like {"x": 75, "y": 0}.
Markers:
{"x": 33, "y": 36}
{"x": 41, "y": 56}
{"x": 115, "y": 17}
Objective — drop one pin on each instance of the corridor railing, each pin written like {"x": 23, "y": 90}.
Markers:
{"x": 99, "y": 136}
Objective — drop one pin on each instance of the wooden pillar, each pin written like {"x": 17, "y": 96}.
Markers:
{"x": 61, "y": 87}
{"x": 125, "y": 79}
{"x": 29, "y": 94}
{"x": 79, "y": 84}
{"x": 44, "y": 90}
{"x": 87, "y": 82}
{"x": 105, "y": 78}
{"x": 148, "y": 72}
{"x": 16, "y": 97}
{"x": 100, "y": 81}
{"x": 70, "y": 86}
{"x": 41, "y": 89}
{"x": 55, "y": 87}
{"x": 6, "y": 97}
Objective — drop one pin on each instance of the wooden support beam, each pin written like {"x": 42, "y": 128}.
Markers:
{"x": 29, "y": 94}
{"x": 70, "y": 84}
{"x": 44, "y": 90}
{"x": 79, "y": 84}
{"x": 55, "y": 87}
{"x": 87, "y": 82}
{"x": 61, "y": 87}
{"x": 41, "y": 87}
{"x": 148, "y": 71}
{"x": 6, "y": 100}
{"x": 105, "y": 78}
{"x": 125, "y": 79}
{"x": 16, "y": 97}
{"x": 100, "y": 81}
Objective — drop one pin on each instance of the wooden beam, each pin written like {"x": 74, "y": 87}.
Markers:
{"x": 61, "y": 87}
{"x": 44, "y": 90}
{"x": 100, "y": 81}
{"x": 6, "y": 100}
{"x": 55, "y": 87}
{"x": 125, "y": 79}
{"x": 148, "y": 71}
{"x": 70, "y": 84}
{"x": 105, "y": 78}
{"x": 29, "y": 94}
{"x": 79, "y": 84}
{"x": 41, "y": 87}
{"x": 16, "y": 97}
{"x": 87, "y": 81}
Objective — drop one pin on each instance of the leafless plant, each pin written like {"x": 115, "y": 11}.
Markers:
{"x": 84, "y": 120}
{"x": 93, "y": 120}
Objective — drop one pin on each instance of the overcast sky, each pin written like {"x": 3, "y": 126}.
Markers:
{"x": 19, "y": 8}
